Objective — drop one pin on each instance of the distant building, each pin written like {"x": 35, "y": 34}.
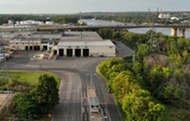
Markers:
{"x": 10, "y": 22}
{"x": 175, "y": 18}
{"x": 164, "y": 16}
{"x": 49, "y": 23}
{"x": 32, "y": 23}
{"x": 64, "y": 44}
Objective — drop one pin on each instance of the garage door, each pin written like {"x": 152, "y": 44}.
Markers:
{"x": 77, "y": 52}
{"x": 85, "y": 52}
{"x": 69, "y": 52}
{"x": 45, "y": 47}
{"x": 36, "y": 47}
{"x": 61, "y": 52}
{"x": 26, "y": 47}
{"x": 55, "y": 52}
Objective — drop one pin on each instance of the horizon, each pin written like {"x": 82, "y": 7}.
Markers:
{"x": 88, "y": 12}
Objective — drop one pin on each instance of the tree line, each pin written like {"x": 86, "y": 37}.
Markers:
{"x": 166, "y": 83}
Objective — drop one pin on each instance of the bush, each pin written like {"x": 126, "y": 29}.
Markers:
{"x": 25, "y": 107}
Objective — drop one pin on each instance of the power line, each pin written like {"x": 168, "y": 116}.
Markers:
{"x": 5, "y": 69}
{"x": 173, "y": 94}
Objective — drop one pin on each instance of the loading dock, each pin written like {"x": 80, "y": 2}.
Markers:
{"x": 45, "y": 47}
{"x": 31, "y": 48}
{"x": 26, "y": 47}
{"x": 61, "y": 52}
{"x": 77, "y": 52}
{"x": 69, "y": 52}
{"x": 36, "y": 47}
{"x": 55, "y": 52}
{"x": 85, "y": 52}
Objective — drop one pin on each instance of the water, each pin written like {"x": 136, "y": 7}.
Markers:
{"x": 165, "y": 31}
{"x": 94, "y": 22}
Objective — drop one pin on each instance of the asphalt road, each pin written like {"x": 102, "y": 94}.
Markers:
{"x": 77, "y": 76}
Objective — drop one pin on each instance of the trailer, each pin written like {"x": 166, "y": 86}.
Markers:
{"x": 93, "y": 100}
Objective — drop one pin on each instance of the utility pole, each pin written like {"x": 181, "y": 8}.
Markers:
{"x": 151, "y": 36}
{"x": 3, "y": 69}
{"x": 134, "y": 59}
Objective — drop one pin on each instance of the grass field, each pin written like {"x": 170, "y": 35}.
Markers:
{"x": 30, "y": 77}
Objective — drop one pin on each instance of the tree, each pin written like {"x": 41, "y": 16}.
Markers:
{"x": 105, "y": 33}
{"x": 46, "y": 93}
{"x": 116, "y": 35}
{"x": 25, "y": 106}
{"x": 149, "y": 34}
{"x": 143, "y": 51}
{"x": 139, "y": 107}
{"x": 123, "y": 84}
{"x": 83, "y": 23}
{"x": 158, "y": 75}
{"x": 181, "y": 44}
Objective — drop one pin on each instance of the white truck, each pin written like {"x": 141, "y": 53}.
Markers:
{"x": 93, "y": 100}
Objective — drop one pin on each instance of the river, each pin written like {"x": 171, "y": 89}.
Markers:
{"x": 94, "y": 22}
{"x": 163, "y": 30}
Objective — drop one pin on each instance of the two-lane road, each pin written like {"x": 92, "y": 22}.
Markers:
{"x": 77, "y": 75}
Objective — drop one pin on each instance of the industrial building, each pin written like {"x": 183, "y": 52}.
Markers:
{"x": 84, "y": 44}
{"x": 25, "y": 44}
{"x": 65, "y": 44}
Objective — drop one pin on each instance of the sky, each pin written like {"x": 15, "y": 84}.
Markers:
{"x": 75, "y": 6}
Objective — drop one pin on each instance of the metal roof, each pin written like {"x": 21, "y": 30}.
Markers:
{"x": 25, "y": 40}
{"x": 103, "y": 43}
{"x": 78, "y": 36}
{"x": 47, "y": 33}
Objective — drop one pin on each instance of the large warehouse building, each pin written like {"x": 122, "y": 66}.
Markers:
{"x": 67, "y": 44}
{"x": 84, "y": 44}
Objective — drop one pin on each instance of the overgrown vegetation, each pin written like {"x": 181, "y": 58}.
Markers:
{"x": 32, "y": 100}
{"x": 135, "y": 102}
{"x": 140, "y": 84}
{"x": 39, "y": 100}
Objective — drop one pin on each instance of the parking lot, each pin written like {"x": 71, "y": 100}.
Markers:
{"x": 24, "y": 57}
{"x": 22, "y": 60}
{"x": 75, "y": 78}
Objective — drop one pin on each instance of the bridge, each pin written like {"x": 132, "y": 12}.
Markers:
{"x": 174, "y": 27}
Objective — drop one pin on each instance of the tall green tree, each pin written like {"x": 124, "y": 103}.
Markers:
{"x": 143, "y": 51}
{"x": 123, "y": 84}
{"x": 105, "y": 33}
{"x": 46, "y": 93}
{"x": 139, "y": 107}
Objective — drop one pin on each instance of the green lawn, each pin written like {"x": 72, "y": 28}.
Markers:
{"x": 30, "y": 77}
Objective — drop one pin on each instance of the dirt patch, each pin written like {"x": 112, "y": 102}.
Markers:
{"x": 3, "y": 98}
{"x": 157, "y": 59}
{"x": 186, "y": 68}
